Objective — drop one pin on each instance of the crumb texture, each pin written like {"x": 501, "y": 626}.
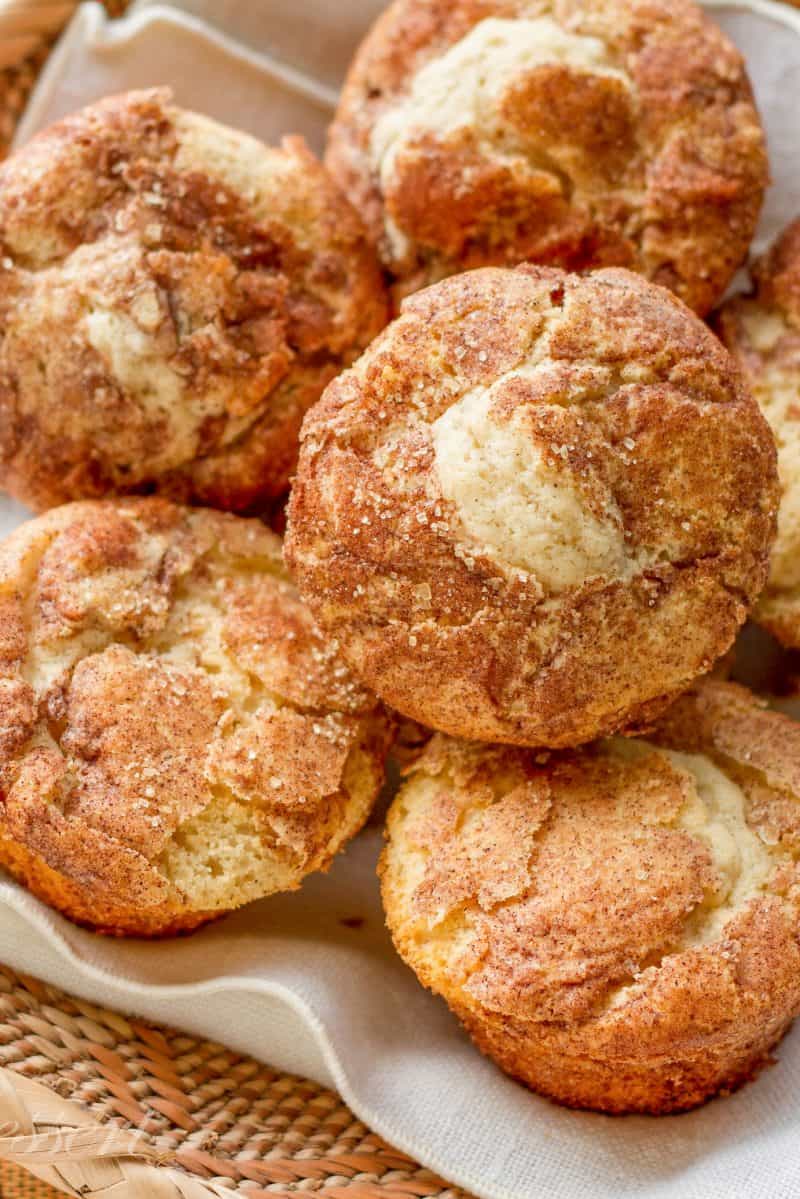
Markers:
{"x": 616, "y": 925}
{"x": 176, "y": 737}
{"x": 174, "y": 296}
{"x": 578, "y": 135}
{"x": 762, "y": 330}
{"x": 504, "y": 510}
{"x": 517, "y": 506}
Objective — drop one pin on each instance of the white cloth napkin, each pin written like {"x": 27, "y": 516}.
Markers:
{"x": 286, "y": 979}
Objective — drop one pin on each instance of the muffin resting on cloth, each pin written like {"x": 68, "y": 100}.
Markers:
{"x": 176, "y": 738}
{"x": 609, "y": 133}
{"x": 173, "y": 296}
{"x": 618, "y": 925}
{"x": 537, "y": 507}
{"x": 762, "y": 330}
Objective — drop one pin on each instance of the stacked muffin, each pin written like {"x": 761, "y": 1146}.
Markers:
{"x": 178, "y": 737}
{"x": 531, "y": 514}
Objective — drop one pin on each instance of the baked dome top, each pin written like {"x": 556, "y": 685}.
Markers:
{"x": 174, "y": 295}
{"x": 176, "y": 736}
{"x": 537, "y": 507}
{"x": 762, "y": 330}
{"x": 618, "y": 924}
{"x": 610, "y": 133}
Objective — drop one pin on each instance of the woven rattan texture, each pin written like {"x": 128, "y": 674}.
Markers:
{"x": 19, "y": 1184}
{"x": 213, "y": 1113}
{"x": 28, "y": 29}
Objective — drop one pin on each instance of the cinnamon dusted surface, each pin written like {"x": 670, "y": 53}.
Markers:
{"x": 177, "y": 737}
{"x": 580, "y": 135}
{"x": 506, "y": 512}
{"x": 762, "y": 330}
{"x": 174, "y": 296}
{"x": 616, "y": 925}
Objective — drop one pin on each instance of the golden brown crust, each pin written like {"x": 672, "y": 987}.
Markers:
{"x": 74, "y": 900}
{"x": 618, "y": 925}
{"x": 762, "y": 331}
{"x": 579, "y": 135}
{"x": 176, "y": 736}
{"x": 174, "y": 297}
{"x": 590, "y": 405}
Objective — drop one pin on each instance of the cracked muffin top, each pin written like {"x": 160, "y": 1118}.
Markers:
{"x": 176, "y": 737}
{"x": 617, "y": 924}
{"x": 762, "y": 330}
{"x": 609, "y": 133}
{"x": 537, "y": 507}
{"x": 173, "y": 295}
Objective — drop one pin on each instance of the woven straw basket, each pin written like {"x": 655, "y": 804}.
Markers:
{"x": 92, "y": 1103}
{"x": 97, "y": 1104}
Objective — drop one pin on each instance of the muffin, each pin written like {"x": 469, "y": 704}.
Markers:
{"x": 612, "y": 133}
{"x": 762, "y": 330}
{"x": 176, "y": 737}
{"x": 173, "y": 296}
{"x": 617, "y": 926}
{"x": 537, "y": 507}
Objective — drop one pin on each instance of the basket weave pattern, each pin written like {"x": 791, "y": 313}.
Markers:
{"x": 185, "y": 1106}
{"x": 28, "y": 29}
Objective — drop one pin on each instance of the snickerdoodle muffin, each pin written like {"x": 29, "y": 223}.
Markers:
{"x": 610, "y": 133}
{"x": 176, "y": 737}
{"x": 762, "y": 330}
{"x": 618, "y": 926}
{"x": 537, "y": 507}
{"x": 173, "y": 296}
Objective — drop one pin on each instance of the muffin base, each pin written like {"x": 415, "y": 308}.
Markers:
{"x": 67, "y": 898}
{"x": 650, "y": 1086}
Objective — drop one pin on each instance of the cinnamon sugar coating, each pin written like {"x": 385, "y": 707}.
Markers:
{"x": 176, "y": 737}
{"x": 607, "y": 133}
{"x": 762, "y": 331}
{"x": 537, "y": 507}
{"x": 617, "y": 926}
{"x": 174, "y": 296}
